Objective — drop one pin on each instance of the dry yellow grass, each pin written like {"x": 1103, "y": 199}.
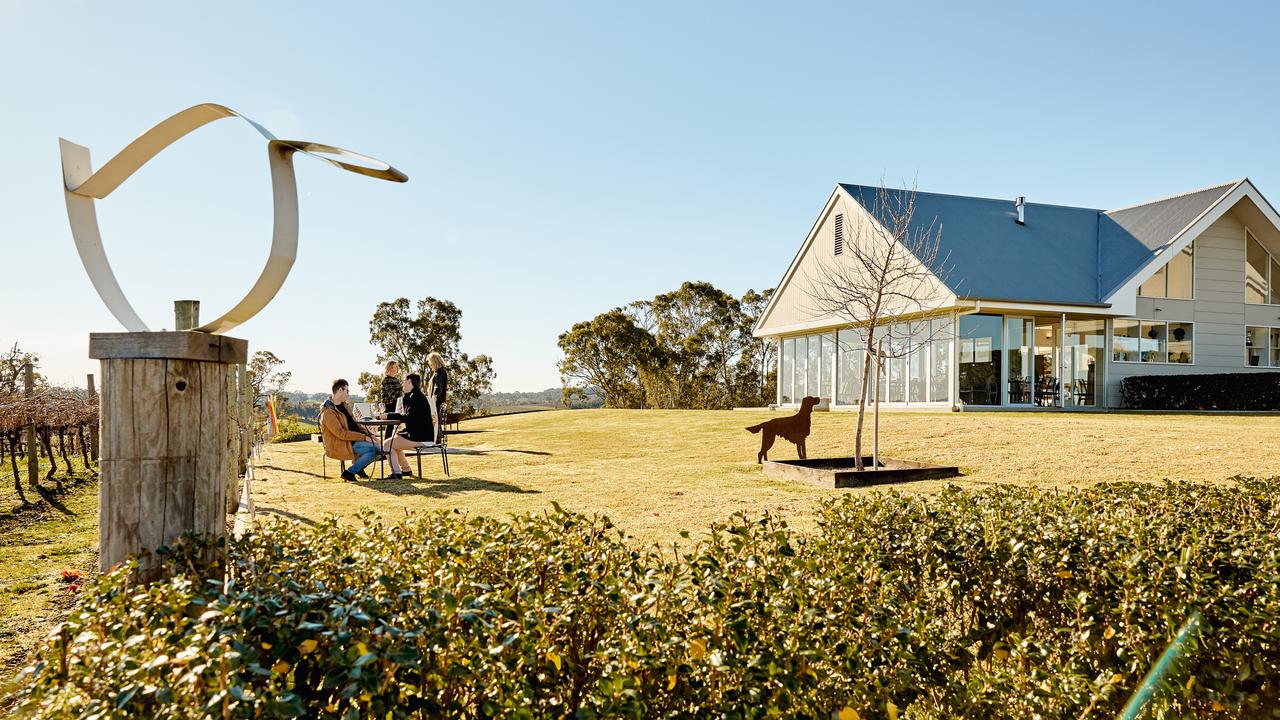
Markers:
{"x": 656, "y": 473}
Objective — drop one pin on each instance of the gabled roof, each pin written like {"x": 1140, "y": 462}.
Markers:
{"x": 987, "y": 254}
{"x": 1062, "y": 255}
{"x": 1129, "y": 237}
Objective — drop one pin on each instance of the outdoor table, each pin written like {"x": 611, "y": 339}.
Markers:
{"x": 382, "y": 426}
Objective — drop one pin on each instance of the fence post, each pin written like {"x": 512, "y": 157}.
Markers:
{"x": 164, "y": 459}
{"x": 246, "y": 418}
{"x": 93, "y": 429}
{"x": 33, "y": 454}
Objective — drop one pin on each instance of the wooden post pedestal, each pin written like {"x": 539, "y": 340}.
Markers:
{"x": 165, "y": 439}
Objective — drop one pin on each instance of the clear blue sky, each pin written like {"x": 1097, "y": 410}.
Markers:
{"x": 568, "y": 158}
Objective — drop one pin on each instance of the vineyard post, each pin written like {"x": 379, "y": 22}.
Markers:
{"x": 93, "y": 427}
{"x": 33, "y": 455}
{"x": 164, "y": 459}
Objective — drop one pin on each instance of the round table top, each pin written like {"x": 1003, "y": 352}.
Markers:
{"x": 378, "y": 422}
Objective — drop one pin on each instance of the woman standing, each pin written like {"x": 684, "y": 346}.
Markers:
{"x": 417, "y": 425}
{"x": 436, "y": 390}
{"x": 391, "y": 386}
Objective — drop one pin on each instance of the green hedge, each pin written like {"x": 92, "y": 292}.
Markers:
{"x": 1222, "y": 391}
{"x": 994, "y": 603}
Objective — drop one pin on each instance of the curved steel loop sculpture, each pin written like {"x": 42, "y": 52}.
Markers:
{"x": 83, "y": 186}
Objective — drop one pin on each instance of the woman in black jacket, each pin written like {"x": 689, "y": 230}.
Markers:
{"x": 417, "y": 430}
{"x": 438, "y": 385}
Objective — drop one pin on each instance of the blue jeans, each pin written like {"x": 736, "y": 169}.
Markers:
{"x": 366, "y": 452}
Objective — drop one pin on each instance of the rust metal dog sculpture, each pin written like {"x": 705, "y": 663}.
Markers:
{"x": 794, "y": 428}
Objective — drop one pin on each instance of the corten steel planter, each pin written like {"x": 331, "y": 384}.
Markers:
{"x": 841, "y": 472}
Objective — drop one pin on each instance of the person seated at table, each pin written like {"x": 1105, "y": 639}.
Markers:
{"x": 417, "y": 429}
{"x": 391, "y": 386}
{"x": 344, "y": 438}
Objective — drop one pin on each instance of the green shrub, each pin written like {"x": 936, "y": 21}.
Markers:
{"x": 1221, "y": 391}
{"x": 995, "y": 603}
{"x": 291, "y": 429}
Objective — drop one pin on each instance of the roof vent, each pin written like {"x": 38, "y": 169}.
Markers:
{"x": 1020, "y": 202}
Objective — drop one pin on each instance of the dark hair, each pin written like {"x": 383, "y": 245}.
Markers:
{"x": 339, "y": 384}
{"x": 415, "y": 379}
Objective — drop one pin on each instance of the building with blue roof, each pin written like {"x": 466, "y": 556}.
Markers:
{"x": 1027, "y": 305}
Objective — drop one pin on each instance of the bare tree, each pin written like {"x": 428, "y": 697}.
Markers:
{"x": 889, "y": 270}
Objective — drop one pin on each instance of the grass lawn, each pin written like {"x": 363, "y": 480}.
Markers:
{"x": 656, "y": 473}
{"x": 35, "y": 547}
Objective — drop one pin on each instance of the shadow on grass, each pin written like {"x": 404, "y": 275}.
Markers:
{"x": 444, "y": 487}
{"x": 293, "y": 470}
{"x": 286, "y": 514}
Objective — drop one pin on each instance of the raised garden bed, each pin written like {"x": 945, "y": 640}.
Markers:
{"x": 841, "y": 472}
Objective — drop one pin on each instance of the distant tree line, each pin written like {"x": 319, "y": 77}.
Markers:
{"x": 551, "y": 397}
{"x": 691, "y": 348}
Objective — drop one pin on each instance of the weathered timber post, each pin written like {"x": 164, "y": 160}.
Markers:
{"x": 93, "y": 428}
{"x": 231, "y": 439}
{"x": 164, "y": 450}
{"x": 186, "y": 314}
{"x": 33, "y": 454}
{"x": 246, "y": 417}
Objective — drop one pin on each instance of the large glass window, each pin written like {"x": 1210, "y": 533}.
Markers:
{"x": 1182, "y": 274}
{"x": 918, "y": 364}
{"x": 1174, "y": 279}
{"x": 1020, "y": 340}
{"x": 814, "y": 367}
{"x": 851, "y": 350}
{"x": 1256, "y": 270}
{"x": 1155, "y": 285}
{"x": 802, "y": 369}
{"x": 785, "y": 378}
{"x": 940, "y": 357}
{"x": 1257, "y": 346}
{"x": 897, "y": 367}
{"x": 1275, "y": 282}
{"x": 1180, "y": 342}
{"x": 1085, "y": 342}
{"x": 828, "y": 365}
{"x": 1124, "y": 340}
{"x": 979, "y": 344}
{"x": 1152, "y": 341}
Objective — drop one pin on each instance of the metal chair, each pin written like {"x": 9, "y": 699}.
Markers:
{"x": 441, "y": 445}
{"x": 324, "y": 459}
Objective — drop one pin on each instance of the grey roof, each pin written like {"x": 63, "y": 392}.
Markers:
{"x": 1130, "y": 236}
{"x": 1064, "y": 255}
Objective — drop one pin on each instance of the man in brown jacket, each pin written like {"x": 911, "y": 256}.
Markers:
{"x": 344, "y": 438}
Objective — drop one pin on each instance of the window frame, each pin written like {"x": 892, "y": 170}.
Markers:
{"x": 1111, "y": 339}
{"x": 1268, "y": 292}
{"x": 1164, "y": 269}
{"x": 1270, "y": 347}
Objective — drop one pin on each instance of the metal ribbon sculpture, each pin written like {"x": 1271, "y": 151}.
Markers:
{"x": 83, "y": 186}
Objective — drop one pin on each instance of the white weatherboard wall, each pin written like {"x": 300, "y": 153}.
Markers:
{"x": 1218, "y": 311}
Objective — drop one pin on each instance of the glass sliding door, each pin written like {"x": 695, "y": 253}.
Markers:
{"x": 801, "y": 369}
{"x": 785, "y": 365}
{"x": 918, "y": 363}
{"x": 979, "y": 347}
{"x": 1020, "y": 340}
{"x": 1048, "y": 386}
{"x": 828, "y": 366}
{"x": 1083, "y": 346}
{"x": 814, "y": 367}
{"x": 940, "y": 361}
{"x": 850, "y": 351}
